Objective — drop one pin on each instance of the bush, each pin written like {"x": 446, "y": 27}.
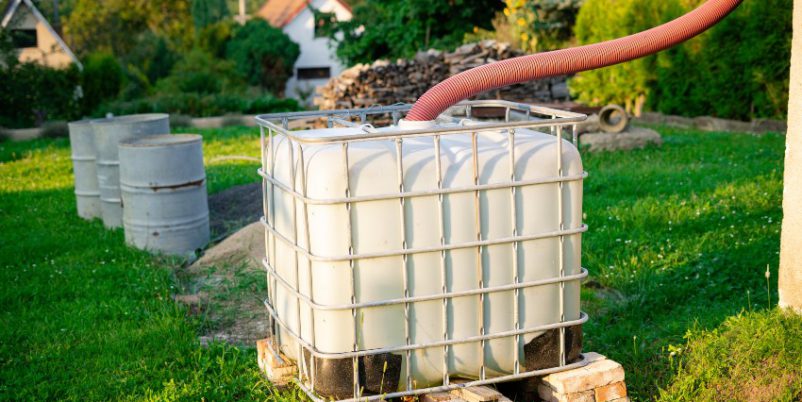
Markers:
{"x": 539, "y": 25}
{"x": 102, "y": 79}
{"x": 214, "y": 38}
{"x": 399, "y": 28}
{"x": 739, "y": 69}
{"x": 55, "y": 129}
{"x": 198, "y": 105}
{"x": 199, "y": 72}
{"x": 264, "y": 55}
{"x": 31, "y": 94}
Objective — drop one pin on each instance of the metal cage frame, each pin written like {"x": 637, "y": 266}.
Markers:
{"x": 516, "y": 116}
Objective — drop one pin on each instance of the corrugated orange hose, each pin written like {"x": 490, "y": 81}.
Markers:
{"x": 567, "y": 61}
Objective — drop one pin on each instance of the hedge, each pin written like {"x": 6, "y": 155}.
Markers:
{"x": 198, "y": 105}
{"x": 739, "y": 69}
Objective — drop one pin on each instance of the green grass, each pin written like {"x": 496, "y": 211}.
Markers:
{"x": 678, "y": 245}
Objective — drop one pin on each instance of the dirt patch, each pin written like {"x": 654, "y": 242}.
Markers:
{"x": 230, "y": 282}
{"x": 234, "y": 208}
{"x": 227, "y": 284}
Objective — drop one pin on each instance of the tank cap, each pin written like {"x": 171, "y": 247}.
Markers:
{"x": 416, "y": 125}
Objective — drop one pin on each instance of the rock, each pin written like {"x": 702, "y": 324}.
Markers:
{"x": 633, "y": 138}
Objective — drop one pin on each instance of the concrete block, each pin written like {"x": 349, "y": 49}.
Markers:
{"x": 611, "y": 392}
{"x": 594, "y": 375}
{"x": 278, "y": 368}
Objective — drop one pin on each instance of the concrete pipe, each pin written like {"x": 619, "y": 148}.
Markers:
{"x": 613, "y": 119}
{"x": 163, "y": 186}
{"x": 108, "y": 134}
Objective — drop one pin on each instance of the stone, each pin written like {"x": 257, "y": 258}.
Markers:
{"x": 611, "y": 392}
{"x": 595, "y": 375}
{"x": 550, "y": 395}
{"x": 440, "y": 397}
{"x": 477, "y": 394}
{"x": 633, "y": 138}
{"x": 278, "y": 368}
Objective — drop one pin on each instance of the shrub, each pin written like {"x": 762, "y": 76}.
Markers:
{"x": 102, "y": 79}
{"x": 399, "y": 28}
{"x": 739, "y": 69}
{"x": 31, "y": 94}
{"x": 55, "y": 129}
{"x": 152, "y": 56}
{"x": 538, "y": 25}
{"x": 198, "y": 72}
{"x": 214, "y": 38}
{"x": 198, "y": 105}
{"x": 264, "y": 55}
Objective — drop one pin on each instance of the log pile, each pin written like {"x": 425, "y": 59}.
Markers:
{"x": 386, "y": 83}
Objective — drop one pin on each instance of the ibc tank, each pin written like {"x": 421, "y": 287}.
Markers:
{"x": 163, "y": 185}
{"x": 448, "y": 249}
{"x": 108, "y": 134}
{"x": 82, "y": 148}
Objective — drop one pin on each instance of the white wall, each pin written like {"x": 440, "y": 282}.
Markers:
{"x": 315, "y": 52}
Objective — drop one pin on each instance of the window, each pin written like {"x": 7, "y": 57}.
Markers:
{"x": 313, "y": 73}
{"x": 24, "y": 38}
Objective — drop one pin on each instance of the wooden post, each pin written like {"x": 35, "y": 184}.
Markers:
{"x": 790, "y": 280}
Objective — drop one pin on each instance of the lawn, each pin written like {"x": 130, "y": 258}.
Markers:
{"x": 679, "y": 241}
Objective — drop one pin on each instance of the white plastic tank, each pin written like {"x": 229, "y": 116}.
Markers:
{"x": 82, "y": 148}
{"x": 163, "y": 184}
{"x": 521, "y": 224}
{"x": 108, "y": 134}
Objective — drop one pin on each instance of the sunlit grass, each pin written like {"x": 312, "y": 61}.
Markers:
{"x": 679, "y": 239}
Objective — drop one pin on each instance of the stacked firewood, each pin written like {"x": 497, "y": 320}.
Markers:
{"x": 386, "y": 83}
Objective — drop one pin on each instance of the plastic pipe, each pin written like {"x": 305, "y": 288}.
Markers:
{"x": 568, "y": 61}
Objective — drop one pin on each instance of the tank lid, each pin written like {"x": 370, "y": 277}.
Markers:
{"x": 162, "y": 140}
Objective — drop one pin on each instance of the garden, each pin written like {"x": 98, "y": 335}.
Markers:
{"x": 683, "y": 242}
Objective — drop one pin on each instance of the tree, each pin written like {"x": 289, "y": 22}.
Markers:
{"x": 115, "y": 26}
{"x": 264, "y": 55}
{"x": 790, "y": 282}
{"x": 399, "y": 28}
{"x": 208, "y": 12}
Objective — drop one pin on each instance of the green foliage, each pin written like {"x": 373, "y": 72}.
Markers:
{"x": 152, "y": 56}
{"x": 208, "y": 12}
{"x": 540, "y": 25}
{"x": 630, "y": 83}
{"x": 102, "y": 79}
{"x": 116, "y": 25}
{"x": 264, "y": 55}
{"x": 31, "y": 94}
{"x": 739, "y": 69}
{"x": 751, "y": 356}
{"x": 198, "y": 72}
{"x": 199, "y": 105}
{"x": 399, "y": 28}
{"x": 214, "y": 38}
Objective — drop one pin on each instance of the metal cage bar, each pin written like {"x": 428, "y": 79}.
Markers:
{"x": 530, "y": 117}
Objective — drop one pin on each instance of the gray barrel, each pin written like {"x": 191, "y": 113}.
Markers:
{"x": 82, "y": 146}
{"x": 108, "y": 134}
{"x": 164, "y": 192}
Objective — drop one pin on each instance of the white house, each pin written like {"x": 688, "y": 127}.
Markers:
{"x": 317, "y": 62}
{"x": 34, "y": 38}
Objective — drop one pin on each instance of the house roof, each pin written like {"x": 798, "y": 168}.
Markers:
{"x": 12, "y": 8}
{"x": 281, "y": 12}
